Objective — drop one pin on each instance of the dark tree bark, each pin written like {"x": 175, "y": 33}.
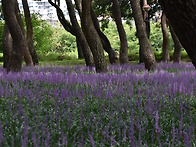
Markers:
{"x": 79, "y": 34}
{"x": 29, "y": 37}
{"x": 27, "y": 55}
{"x": 182, "y": 17}
{"x": 92, "y": 37}
{"x": 177, "y": 46}
{"x": 7, "y": 46}
{"x": 146, "y": 48}
{"x": 145, "y": 10}
{"x": 79, "y": 47}
{"x": 165, "y": 46}
{"x": 147, "y": 22}
{"x": 122, "y": 34}
{"x": 16, "y": 33}
{"x": 105, "y": 41}
{"x": 78, "y": 4}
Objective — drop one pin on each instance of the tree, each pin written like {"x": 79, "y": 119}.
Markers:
{"x": 104, "y": 9}
{"x": 182, "y": 17}
{"x": 65, "y": 23}
{"x": 7, "y": 46}
{"x": 92, "y": 37}
{"x": 7, "y": 42}
{"x": 145, "y": 9}
{"x": 18, "y": 48}
{"x": 105, "y": 41}
{"x": 146, "y": 48}
{"x": 27, "y": 55}
{"x": 79, "y": 34}
{"x": 29, "y": 37}
{"x": 83, "y": 45}
{"x": 177, "y": 46}
{"x": 165, "y": 46}
{"x": 122, "y": 34}
{"x": 79, "y": 48}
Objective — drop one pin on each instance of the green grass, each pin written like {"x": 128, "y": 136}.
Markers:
{"x": 53, "y": 58}
{"x": 63, "y": 62}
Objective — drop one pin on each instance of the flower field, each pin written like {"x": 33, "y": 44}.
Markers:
{"x": 73, "y": 106}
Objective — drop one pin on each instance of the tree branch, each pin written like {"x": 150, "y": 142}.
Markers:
{"x": 66, "y": 24}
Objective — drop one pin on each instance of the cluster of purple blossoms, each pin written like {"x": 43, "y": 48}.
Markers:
{"x": 74, "y": 106}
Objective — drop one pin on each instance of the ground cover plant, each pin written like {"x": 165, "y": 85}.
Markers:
{"x": 74, "y": 106}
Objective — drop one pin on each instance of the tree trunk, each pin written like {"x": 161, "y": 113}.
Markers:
{"x": 122, "y": 34}
{"x": 146, "y": 48}
{"x": 27, "y": 55}
{"x": 147, "y": 25}
{"x": 165, "y": 46}
{"x": 105, "y": 41}
{"x": 79, "y": 48}
{"x": 177, "y": 46}
{"x": 17, "y": 53}
{"x": 92, "y": 37}
{"x": 182, "y": 17}
{"x": 7, "y": 46}
{"x": 79, "y": 34}
{"x": 29, "y": 37}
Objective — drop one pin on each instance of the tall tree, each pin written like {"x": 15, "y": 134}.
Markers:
{"x": 145, "y": 10}
{"x": 146, "y": 48}
{"x": 79, "y": 48}
{"x": 27, "y": 55}
{"x": 68, "y": 27}
{"x": 105, "y": 41}
{"x": 79, "y": 34}
{"x": 7, "y": 46}
{"x": 182, "y": 17}
{"x": 18, "y": 48}
{"x": 29, "y": 37}
{"x": 122, "y": 34}
{"x": 92, "y": 37}
{"x": 165, "y": 46}
{"x": 177, "y": 46}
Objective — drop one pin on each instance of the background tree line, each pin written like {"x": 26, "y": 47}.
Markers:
{"x": 90, "y": 38}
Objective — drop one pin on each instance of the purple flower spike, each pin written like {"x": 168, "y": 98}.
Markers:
{"x": 35, "y": 144}
{"x": 91, "y": 139}
{"x": 157, "y": 122}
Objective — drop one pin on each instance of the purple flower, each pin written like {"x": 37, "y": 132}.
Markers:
{"x": 157, "y": 122}
{"x": 34, "y": 139}
{"x": 91, "y": 139}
